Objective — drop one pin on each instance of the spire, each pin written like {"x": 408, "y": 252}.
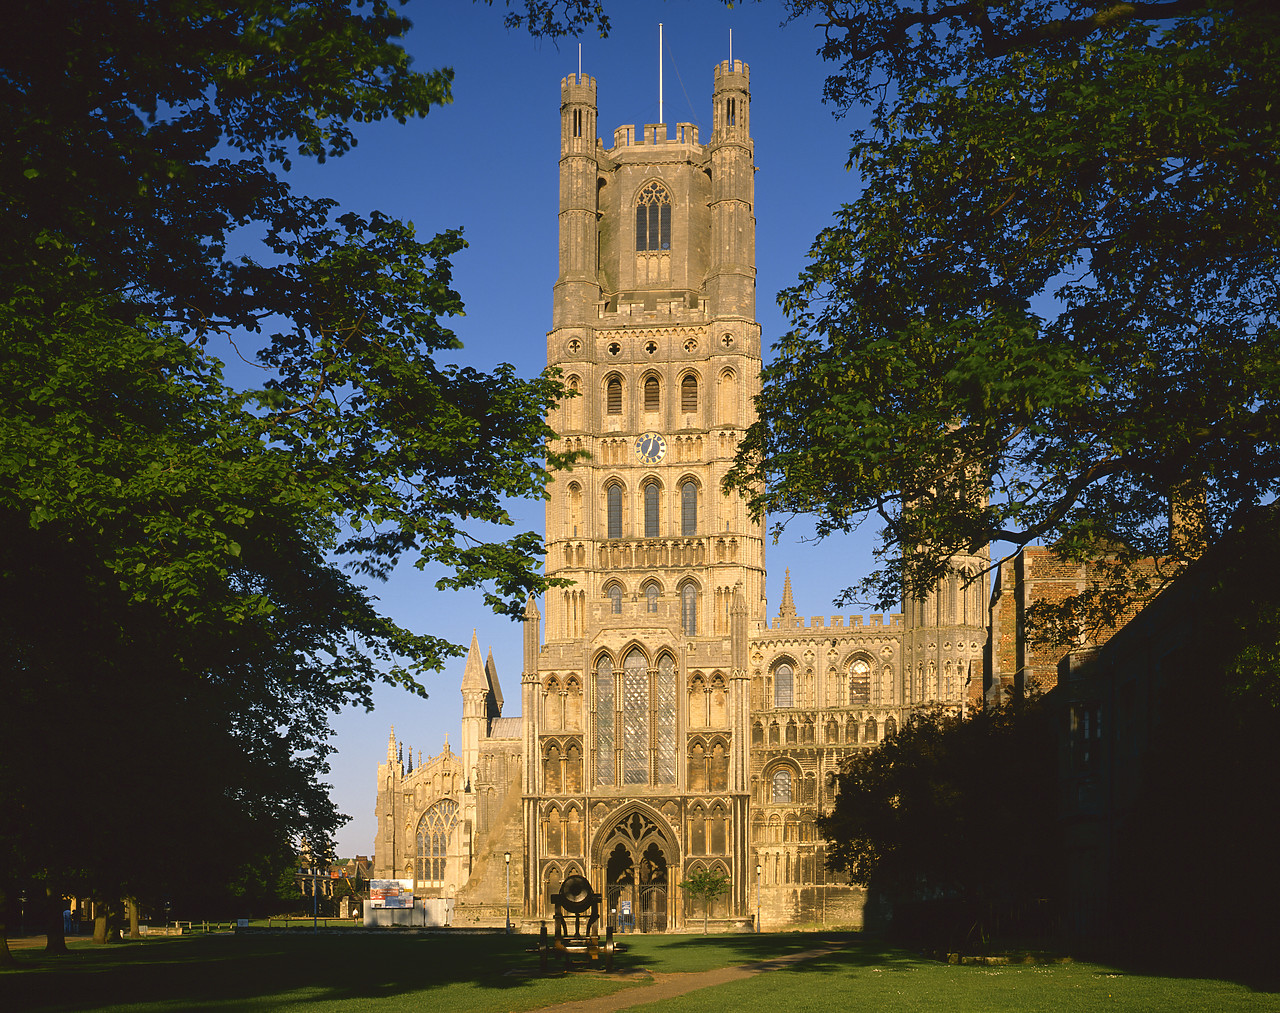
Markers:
{"x": 491, "y": 673}
{"x": 391, "y": 745}
{"x": 788, "y": 607}
{"x": 474, "y": 678}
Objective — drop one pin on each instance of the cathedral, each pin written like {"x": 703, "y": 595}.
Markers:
{"x": 667, "y": 722}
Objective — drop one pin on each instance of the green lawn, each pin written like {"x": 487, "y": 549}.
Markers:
{"x": 465, "y": 973}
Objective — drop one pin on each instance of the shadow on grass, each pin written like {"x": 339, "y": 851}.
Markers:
{"x": 700, "y": 953}
{"x": 264, "y": 971}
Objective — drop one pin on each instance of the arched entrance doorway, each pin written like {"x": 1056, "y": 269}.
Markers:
{"x": 638, "y": 856}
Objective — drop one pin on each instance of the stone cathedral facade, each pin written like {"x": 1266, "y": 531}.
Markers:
{"x": 667, "y": 721}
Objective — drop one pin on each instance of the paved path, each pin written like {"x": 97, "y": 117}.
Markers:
{"x": 668, "y": 986}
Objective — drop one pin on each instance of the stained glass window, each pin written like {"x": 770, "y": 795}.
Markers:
{"x": 604, "y": 720}
{"x": 781, "y": 785}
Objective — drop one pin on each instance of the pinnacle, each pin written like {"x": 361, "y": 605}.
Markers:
{"x": 474, "y": 677}
{"x": 788, "y": 607}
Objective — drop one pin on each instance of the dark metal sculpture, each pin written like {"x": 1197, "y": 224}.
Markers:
{"x": 581, "y": 946}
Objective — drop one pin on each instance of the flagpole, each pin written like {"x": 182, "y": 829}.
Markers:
{"x": 660, "y": 119}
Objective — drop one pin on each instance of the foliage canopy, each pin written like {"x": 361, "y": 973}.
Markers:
{"x": 918, "y": 816}
{"x": 705, "y": 885}
{"x": 174, "y": 581}
{"x": 1053, "y": 309}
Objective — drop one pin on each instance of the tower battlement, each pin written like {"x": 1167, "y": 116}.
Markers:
{"x": 583, "y": 84}
{"x": 726, "y": 74}
{"x": 654, "y": 134}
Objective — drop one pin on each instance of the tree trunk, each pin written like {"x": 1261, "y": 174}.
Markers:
{"x": 55, "y": 940}
{"x": 6, "y": 958}
{"x": 131, "y": 904}
{"x": 102, "y": 921}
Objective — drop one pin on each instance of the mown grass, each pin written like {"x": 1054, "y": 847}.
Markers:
{"x": 494, "y": 974}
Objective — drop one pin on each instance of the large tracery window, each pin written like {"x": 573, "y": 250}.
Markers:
{"x": 653, "y": 218}
{"x": 434, "y": 829}
{"x": 781, "y": 787}
{"x": 635, "y": 720}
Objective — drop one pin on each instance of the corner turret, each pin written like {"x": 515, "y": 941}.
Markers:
{"x": 577, "y": 290}
{"x": 731, "y": 275}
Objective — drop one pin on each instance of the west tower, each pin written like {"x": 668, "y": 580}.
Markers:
{"x": 637, "y": 702}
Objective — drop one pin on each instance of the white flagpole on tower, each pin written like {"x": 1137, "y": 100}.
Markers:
{"x": 730, "y": 49}
{"x": 580, "y": 55}
{"x": 660, "y": 119}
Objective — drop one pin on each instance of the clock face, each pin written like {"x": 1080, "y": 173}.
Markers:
{"x": 650, "y": 448}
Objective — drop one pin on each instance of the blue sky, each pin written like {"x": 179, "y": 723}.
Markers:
{"x": 488, "y": 163}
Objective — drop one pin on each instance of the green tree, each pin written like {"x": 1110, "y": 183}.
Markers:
{"x": 953, "y": 820}
{"x": 705, "y": 885}
{"x": 176, "y": 581}
{"x": 1052, "y": 311}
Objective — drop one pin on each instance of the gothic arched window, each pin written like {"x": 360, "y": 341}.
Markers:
{"x": 613, "y": 500}
{"x": 689, "y": 394}
{"x": 689, "y": 509}
{"x": 434, "y": 828}
{"x": 781, "y": 792}
{"x": 653, "y": 218}
{"x": 613, "y": 396}
{"x": 689, "y": 610}
{"x": 651, "y": 596}
{"x": 615, "y": 598}
{"x": 651, "y": 510}
{"x": 783, "y": 680}
{"x": 651, "y": 398}
{"x": 859, "y": 682}
{"x": 635, "y": 718}
{"x": 604, "y": 697}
